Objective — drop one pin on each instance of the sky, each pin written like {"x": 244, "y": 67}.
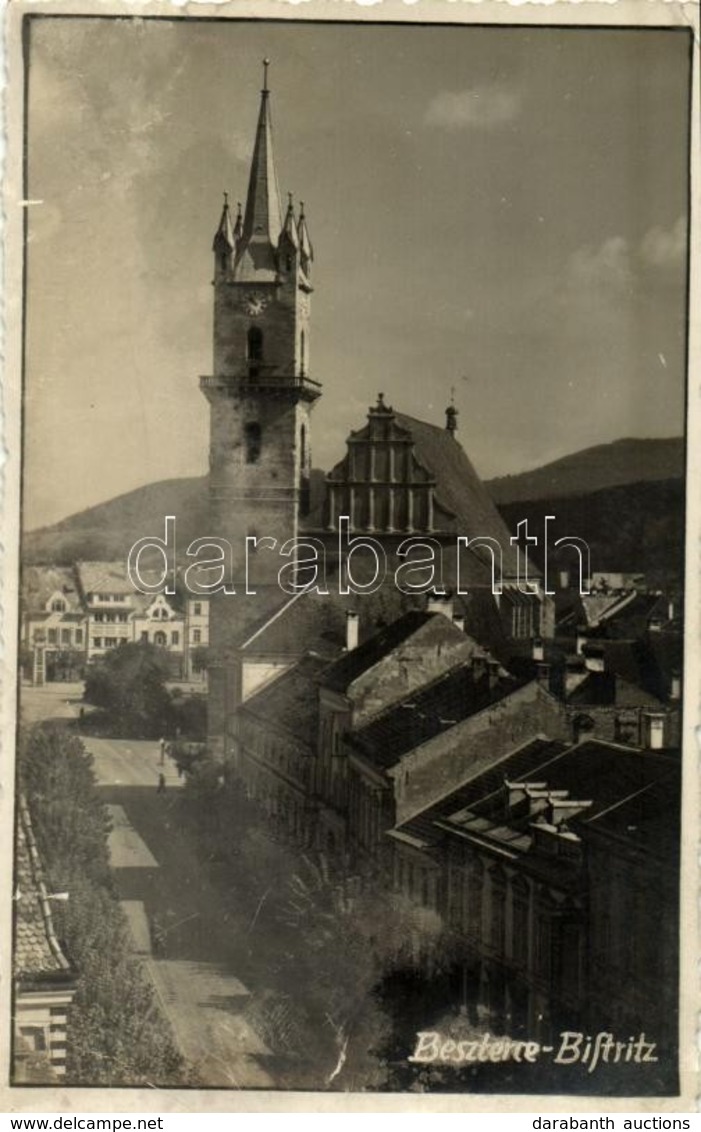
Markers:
{"x": 498, "y": 210}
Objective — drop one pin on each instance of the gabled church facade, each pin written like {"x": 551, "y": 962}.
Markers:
{"x": 400, "y": 479}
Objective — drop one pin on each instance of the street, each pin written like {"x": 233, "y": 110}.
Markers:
{"x": 157, "y": 867}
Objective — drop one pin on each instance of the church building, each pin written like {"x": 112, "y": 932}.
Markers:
{"x": 401, "y": 478}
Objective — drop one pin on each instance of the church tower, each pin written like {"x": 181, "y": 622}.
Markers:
{"x": 260, "y": 394}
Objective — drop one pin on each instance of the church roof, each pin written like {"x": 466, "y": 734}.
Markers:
{"x": 459, "y": 490}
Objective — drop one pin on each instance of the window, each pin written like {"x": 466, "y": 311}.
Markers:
{"x": 255, "y": 350}
{"x": 175, "y": 637}
{"x": 110, "y": 642}
{"x": 97, "y": 642}
{"x": 196, "y": 636}
{"x": 79, "y": 636}
{"x": 53, "y": 636}
{"x": 302, "y": 351}
{"x": 65, "y": 636}
{"x": 144, "y": 634}
{"x": 197, "y": 609}
{"x": 159, "y": 639}
{"x": 58, "y": 606}
{"x": 252, "y": 434}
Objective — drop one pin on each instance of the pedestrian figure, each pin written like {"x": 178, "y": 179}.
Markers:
{"x": 161, "y": 784}
{"x": 163, "y": 750}
{"x": 159, "y": 936}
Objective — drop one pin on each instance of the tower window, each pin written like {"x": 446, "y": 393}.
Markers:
{"x": 302, "y": 350}
{"x": 252, "y": 434}
{"x": 255, "y": 344}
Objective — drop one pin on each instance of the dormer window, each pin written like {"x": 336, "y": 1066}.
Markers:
{"x": 58, "y": 605}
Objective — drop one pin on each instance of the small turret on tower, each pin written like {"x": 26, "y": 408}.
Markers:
{"x": 289, "y": 241}
{"x": 305, "y": 244}
{"x": 224, "y": 244}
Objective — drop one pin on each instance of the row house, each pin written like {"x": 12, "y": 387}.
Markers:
{"x": 541, "y": 867}
{"x": 72, "y": 615}
{"x": 53, "y": 622}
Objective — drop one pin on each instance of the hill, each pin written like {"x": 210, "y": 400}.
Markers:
{"x": 604, "y": 466}
{"x": 636, "y": 527}
{"x": 637, "y": 524}
{"x": 109, "y": 530}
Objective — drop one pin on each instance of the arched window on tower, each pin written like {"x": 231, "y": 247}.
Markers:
{"x": 255, "y": 350}
{"x": 302, "y": 352}
{"x": 252, "y": 433}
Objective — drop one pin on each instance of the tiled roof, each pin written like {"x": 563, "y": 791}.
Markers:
{"x": 347, "y": 668}
{"x": 635, "y": 794}
{"x": 291, "y": 702}
{"x": 104, "y": 577}
{"x": 37, "y": 953}
{"x": 516, "y": 765}
{"x": 419, "y": 717}
{"x": 40, "y": 583}
{"x": 606, "y": 689}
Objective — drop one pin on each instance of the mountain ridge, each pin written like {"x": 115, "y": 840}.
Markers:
{"x": 107, "y": 530}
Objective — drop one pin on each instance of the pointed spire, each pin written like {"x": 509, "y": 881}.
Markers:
{"x": 224, "y": 238}
{"x": 289, "y": 231}
{"x": 262, "y": 220}
{"x": 304, "y": 241}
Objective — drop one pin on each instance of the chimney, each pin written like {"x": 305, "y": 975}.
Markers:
{"x": 352, "y": 625}
{"x": 537, "y": 650}
{"x": 438, "y": 602}
{"x": 654, "y": 730}
{"x": 459, "y": 622}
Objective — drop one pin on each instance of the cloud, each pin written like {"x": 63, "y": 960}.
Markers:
{"x": 665, "y": 247}
{"x": 477, "y": 108}
{"x": 606, "y": 266}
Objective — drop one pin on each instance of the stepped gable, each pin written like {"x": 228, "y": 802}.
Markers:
{"x": 402, "y": 477}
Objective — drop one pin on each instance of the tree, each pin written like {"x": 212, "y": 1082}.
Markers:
{"x": 130, "y": 684}
{"x": 116, "y": 1032}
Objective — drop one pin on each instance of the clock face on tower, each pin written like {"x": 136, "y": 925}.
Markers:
{"x": 254, "y": 303}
